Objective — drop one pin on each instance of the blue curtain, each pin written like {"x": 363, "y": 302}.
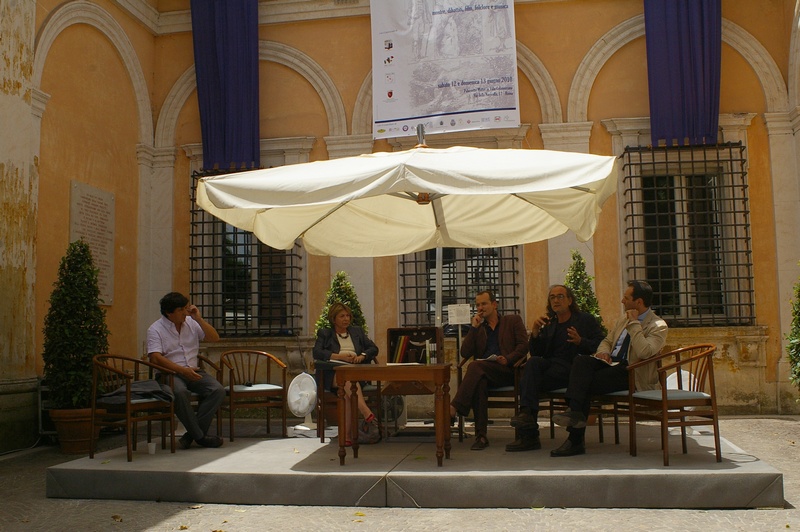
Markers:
{"x": 225, "y": 34}
{"x": 684, "y": 43}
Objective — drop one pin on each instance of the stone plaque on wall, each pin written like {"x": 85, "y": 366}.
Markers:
{"x": 91, "y": 217}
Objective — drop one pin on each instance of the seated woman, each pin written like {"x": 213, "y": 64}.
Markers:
{"x": 348, "y": 343}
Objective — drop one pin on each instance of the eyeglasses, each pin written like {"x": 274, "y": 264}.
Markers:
{"x": 559, "y": 297}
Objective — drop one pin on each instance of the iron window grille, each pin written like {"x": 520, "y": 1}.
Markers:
{"x": 465, "y": 272}
{"x": 687, "y": 232}
{"x": 244, "y": 287}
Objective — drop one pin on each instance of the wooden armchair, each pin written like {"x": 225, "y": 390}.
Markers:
{"x": 251, "y": 384}
{"x": 498, "y": 396}
{"x": 124, "y": 395}
{"x": 694, "y": 402}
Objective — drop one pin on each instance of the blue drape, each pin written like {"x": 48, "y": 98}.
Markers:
{"x": 684, "y": 43}
{"x": 225, "y": 34}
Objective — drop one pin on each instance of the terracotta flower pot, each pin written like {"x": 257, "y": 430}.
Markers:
{"x": 74, "y": 428}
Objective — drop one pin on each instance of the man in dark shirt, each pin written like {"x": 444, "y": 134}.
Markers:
{"x": 556, "y": 339}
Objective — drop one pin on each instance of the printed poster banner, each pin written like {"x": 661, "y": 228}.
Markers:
{"x": 450, "y": 65}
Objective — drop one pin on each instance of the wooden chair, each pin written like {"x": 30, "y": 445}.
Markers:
{"x": 124, "y": 395}
{"x": 498, "y": 396}
{"x": 556, "y": 401}
{"x": 251, "y": 384}
{"x": 694, "y": 402}
{"x": 327, "y": 400}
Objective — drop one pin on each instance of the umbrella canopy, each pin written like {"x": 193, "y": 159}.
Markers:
{"x": 400, "y": 202}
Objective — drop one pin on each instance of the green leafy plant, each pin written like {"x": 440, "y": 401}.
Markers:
{"x": 341, "y": 291}
{"x": 74, "y": 329}
{"x": 580, "y": 282}
{"x": 793, "y": 345}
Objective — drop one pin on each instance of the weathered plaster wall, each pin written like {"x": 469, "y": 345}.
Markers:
{"x": 18, "y": 193}
{"x": 89, "y": 135}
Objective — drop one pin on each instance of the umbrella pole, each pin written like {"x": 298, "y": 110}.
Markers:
{"x": 421, "y": 136}
{"x": 438, "y": 288}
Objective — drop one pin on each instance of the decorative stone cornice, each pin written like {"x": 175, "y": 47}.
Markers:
{"x": 273, "y": 152}
{"x": 569, "y": 136}
{"x": 780, "y": 123}
{"x": 636, "y": 131}
{"x": 349, "y": 145}
{"x": 144, "y": 155}
{"x": 39, "y": 101}
{"x": 269, "y": 12}
{"x": 155, "y": 157}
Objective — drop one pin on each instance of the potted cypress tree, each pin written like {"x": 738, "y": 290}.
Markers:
{"x": 580, "y": 282}
{"x": 341, "y": 291}
{"x": 74, "y": 331}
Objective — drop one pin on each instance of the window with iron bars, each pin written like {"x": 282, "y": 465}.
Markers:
{"x": 465, "y": 272}
{"x": 244, "y": 287}
{"x": 687, "y": 232}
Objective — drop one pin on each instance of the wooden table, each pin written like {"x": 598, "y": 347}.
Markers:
{"x": 438, "y": 374}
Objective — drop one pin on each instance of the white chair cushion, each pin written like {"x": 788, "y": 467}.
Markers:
{"x": 655, "y": 395}
{"x": 501, "y": 389}
{"x": 255, "y": 388}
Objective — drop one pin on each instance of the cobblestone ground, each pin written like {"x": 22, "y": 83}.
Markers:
{"x": 24, "y": 506}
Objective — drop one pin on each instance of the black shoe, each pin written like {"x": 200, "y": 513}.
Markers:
{"x": 185, "y": 441}
{"x": 568, "y": 448}
{"x": 524, "y": 443}
{"x": 568, "y": 418}
{"x": 524, "y": 420}
{"x": 480, "y": 444}
{"x": 210, "y": 441}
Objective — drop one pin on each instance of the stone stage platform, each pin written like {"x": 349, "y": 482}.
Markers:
{"x": 399, "y": 473}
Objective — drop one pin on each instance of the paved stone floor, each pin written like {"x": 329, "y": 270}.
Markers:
{"x": 23, "y": 505}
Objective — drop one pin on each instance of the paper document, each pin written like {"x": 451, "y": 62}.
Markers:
{"x": 612, "y": 363}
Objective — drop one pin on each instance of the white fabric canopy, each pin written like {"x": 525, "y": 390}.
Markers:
{"x": 371, "y": 205}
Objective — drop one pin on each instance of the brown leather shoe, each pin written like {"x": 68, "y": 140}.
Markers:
{"x": 569, "y": 418}
{"x": 480, "y": 444}
{"x": 210, "y": 441}
{"x": 568, "y": 448}
{"x": 524, "y": 443}
{"x": 185, "y": 441}
{"x": 524, "y": 420}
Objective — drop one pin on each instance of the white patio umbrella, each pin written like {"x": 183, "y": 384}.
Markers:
{"x": 400, "y": 202}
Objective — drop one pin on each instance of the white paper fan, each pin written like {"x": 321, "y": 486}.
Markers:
{"x": 302, "y": 395}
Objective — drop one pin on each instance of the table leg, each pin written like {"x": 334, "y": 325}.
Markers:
{"x": 354, "y": 416}
{"x": 446, "y": 419}
{"x": 440, "y": 409}
{"x": 342, "y": 423}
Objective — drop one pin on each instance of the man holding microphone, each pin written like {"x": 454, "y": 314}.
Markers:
{"x": 496, "y": 343}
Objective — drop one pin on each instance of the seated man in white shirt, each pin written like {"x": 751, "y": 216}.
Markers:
{"x": 173, "y": 343}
